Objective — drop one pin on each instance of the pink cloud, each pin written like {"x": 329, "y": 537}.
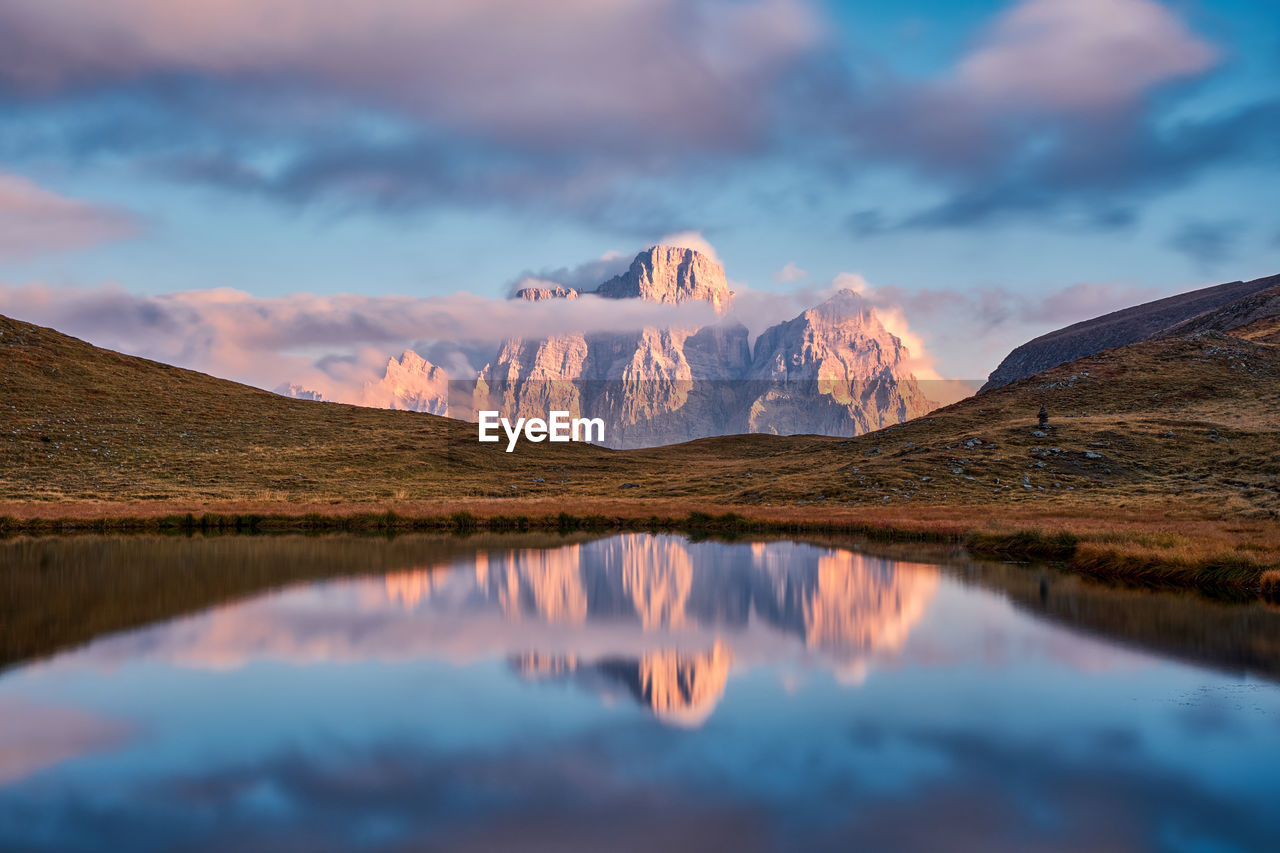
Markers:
{"x": 1081, "y": 55}
{"x": 690, "y": 240}
{"x": 37, "y": 736}
{"x": 34, "y": 220}
{"x": 790, "y": 272}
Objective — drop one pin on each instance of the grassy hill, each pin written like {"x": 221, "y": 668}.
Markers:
{"x": 1165, "y": 453}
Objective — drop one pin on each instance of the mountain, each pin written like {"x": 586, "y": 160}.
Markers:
{"x": 670, "y": 274}
{"x": 832, "y": 370}
{"x": 297, "y": 392}
{"x": 548, "y": 290}
{"x": 1119, "y": 328}
{"x": 411, "y": 384}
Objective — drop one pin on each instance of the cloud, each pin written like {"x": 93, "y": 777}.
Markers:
{"x": 1080, "y": 55}
{"x": 330, "y": 344}
{"x": 690, "y": 240}
{"x": 621, "y": 74}
{"x": 953, "y": 335}
{"x": 583, "y": 277}
{"x": 1062, "y": 110}
{"x": 790, "y": 272}
{"x": 34, "y": 220}
{"x": 37, "y": 736}
{"x": 627, "y": 114}
{"x": 1207, "y": 242}
{"x": 586, "y": 109}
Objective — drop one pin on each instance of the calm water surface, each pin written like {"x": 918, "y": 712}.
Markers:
{"x": 627, "y": 693}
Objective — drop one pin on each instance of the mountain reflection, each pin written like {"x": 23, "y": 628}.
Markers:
{"x": 681, "y": 688}
{"x": 657, "y": 619}
{"x": 690, "y": 605}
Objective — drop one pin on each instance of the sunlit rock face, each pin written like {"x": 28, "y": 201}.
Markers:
{"x": 548, "y": 584}
{"x": 858, "y": 605}
{"x": 847, "y": 606}
{"x": 657, "y": 576}
{"x": 411, "y": 383}
{"x": 833, "y": 370}
{"x": 683, "y": 688}
{"x": 680, "y": 688}
{"x": 410, "y": 588}
{"x": 536, "y": 293}
{"x": 645, "y": 385}
{"x": 670, "y": 274}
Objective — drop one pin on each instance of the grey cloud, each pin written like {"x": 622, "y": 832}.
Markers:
{"x": 623, "y": 76}
{"x": 583, "y": 277}
{"x": 1208, "y": 242}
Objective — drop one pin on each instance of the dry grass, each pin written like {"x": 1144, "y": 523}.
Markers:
{"x": 1162, "y": 461}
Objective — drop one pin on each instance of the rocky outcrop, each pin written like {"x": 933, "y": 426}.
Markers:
{"x": 1119, "y": 328}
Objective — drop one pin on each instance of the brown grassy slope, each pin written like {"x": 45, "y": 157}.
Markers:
{"x": 1166, "y": 450}
{"x": 79, "y": 422}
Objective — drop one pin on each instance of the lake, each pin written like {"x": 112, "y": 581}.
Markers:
{"x": 630, "y": 692}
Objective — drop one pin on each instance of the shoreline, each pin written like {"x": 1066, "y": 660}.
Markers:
{"x": 1206, "y": 554}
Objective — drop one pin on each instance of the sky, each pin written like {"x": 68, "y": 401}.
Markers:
{"x": 276, "y": 190}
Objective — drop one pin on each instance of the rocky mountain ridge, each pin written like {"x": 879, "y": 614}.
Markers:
{"x": 834, "y": 369}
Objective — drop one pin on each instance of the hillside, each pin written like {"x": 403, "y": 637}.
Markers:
{"x": 1120, "y": 328}
{"x": 1253, "y": 317}
{"x": 79, "y": 422}
{"x": 1175, "y": 439}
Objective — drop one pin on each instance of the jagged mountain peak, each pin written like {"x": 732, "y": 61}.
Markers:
{"x": 545, "y": 290}
{"x": 670, "y": 274}
{"x": 412, "y": 383}
{"x": 411, "y": 362}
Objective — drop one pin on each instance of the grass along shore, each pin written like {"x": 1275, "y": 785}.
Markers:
{"x": 1164, "y": 548}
